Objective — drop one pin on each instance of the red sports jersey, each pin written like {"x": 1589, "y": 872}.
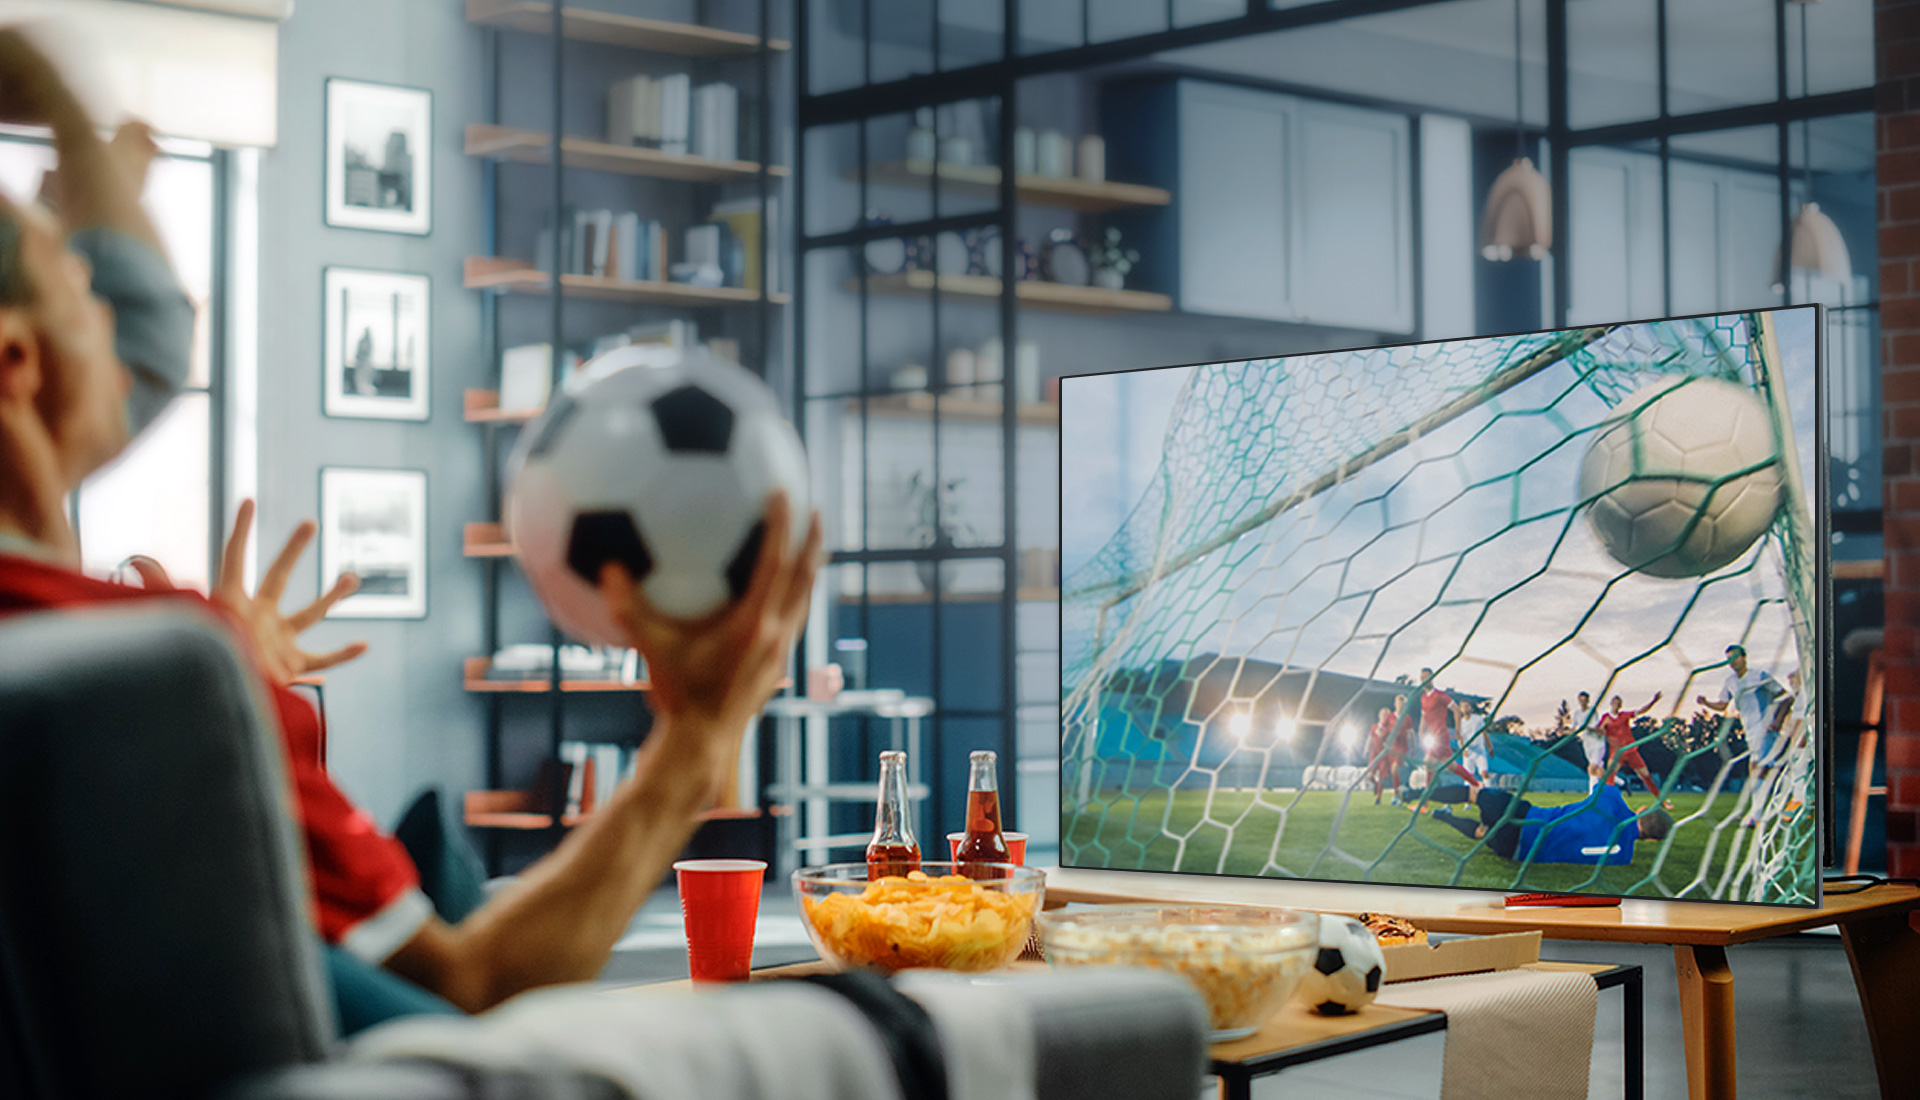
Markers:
{"x": 1618, "y": 728}
{"x": 1433, "y": 710}
{"x": 366, "y": 890}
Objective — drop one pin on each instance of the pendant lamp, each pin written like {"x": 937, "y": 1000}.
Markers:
{"x": 1814, "y": 243}
{"x": 1519, "y": 217}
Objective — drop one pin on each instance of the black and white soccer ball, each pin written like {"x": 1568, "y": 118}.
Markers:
{"x": 658, "y": 458}
{"x": 1346, "y": 975}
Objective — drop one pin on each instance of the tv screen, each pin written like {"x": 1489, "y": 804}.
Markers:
{"x": 1540, "y": 612}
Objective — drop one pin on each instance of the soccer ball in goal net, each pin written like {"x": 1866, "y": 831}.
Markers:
{"x": 1527, "y": 612}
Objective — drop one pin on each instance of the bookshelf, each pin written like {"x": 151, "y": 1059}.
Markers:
{"x": 983, "y": 181}
{"x": 506, "y": 276}
{"x": 536, "y": 147}
{"x": 615, "y": 29}
{"x": 556, "y": 72}
{"x": 1030, "y": 292}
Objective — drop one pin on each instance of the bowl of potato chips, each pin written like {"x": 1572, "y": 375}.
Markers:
{"x": 1245, "y": 961}
{"x": 932, "y": 918}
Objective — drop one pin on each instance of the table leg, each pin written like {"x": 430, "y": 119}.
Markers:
{"x": 1706, "y": 1020}
{"x": 1885, "y": 953}
{"x": 1633, "y": 1035}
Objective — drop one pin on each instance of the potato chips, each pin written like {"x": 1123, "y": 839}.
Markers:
{"x": 946, "y": 923}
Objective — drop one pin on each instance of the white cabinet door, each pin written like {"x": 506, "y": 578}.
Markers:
{"x": 1615, "y": 237}
{"x": 1353, "y": 256}
{"x": 1232, "y": 200}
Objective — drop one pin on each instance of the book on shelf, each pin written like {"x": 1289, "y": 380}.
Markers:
{"x": 742, "y": 219}
{"x": 715, "y": 126}
{"x": 526, "y": 377}
{"x": 606, "y": 244}
{"x": 653, "y": 113}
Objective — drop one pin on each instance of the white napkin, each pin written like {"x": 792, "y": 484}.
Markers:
{"x": 1510, "y": 1033}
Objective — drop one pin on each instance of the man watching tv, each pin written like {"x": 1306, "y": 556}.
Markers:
{"x": 79, "y": 376}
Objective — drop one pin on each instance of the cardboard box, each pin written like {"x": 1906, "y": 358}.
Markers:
{"x": 1408, "y": 962}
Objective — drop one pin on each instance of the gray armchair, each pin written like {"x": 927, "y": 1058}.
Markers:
{"x": 154, "y": 940}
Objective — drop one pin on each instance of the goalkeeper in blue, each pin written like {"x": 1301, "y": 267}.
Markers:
{"x": 1600, "y": 828}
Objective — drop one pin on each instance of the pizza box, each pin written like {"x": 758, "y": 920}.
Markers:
{"x": 1408, "y": 962}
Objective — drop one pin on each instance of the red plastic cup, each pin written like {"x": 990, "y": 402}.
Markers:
{"x": 1016, "y": 846}
{"x": 720, "y": 899}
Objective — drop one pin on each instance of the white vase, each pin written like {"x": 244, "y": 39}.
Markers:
{"x": 1109, "y": 278}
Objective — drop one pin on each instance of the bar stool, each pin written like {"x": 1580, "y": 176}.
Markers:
{"x": 1865, "y": 642}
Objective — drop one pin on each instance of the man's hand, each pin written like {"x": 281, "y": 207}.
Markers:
{"x": 275, "y": 636}
{"x": 722, "y": 669}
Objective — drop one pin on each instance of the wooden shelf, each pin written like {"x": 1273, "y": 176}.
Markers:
{"x": 485, "y": 540}
{"x": 516, "y": 277}
{"x": 475, "y": 675}
{"x": 1039, "y": 295}
{"x": 984, "y": 181}
{"x": 536, "y": 147}
{"x": 608, "y": 28}
{"x": 509, "y": 810}
{"x": 483, "y": 407}
{"x": 919, "y": 406}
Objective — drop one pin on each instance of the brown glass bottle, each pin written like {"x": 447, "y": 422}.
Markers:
{"x": 892, "y": 851}
{"x": 983, "y": 843}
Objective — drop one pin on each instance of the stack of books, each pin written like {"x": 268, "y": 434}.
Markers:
{"x": 606, "y": 245}
{"x": 669, "y": 114}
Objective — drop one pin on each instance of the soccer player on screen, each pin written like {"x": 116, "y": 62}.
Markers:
{"x": 1387, "y": 748}
{"x": 1760, "y": 701}
{"x": 1436, "y": 738}
{"x": 1592, "y": 743}
{"x": 1616, "y": 726}
{"x": 1600, "y": 828}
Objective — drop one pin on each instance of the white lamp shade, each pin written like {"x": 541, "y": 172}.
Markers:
{"x": 1818, "y": 247}
{"x": 1519, "y": 216}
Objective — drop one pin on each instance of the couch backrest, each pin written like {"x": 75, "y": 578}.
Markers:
{"x": 154, "y": 940}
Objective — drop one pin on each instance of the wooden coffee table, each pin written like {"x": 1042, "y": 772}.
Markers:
{"x": 1875, "y": 928}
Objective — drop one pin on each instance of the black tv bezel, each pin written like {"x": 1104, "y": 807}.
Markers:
{"x": 1822, "y": 512}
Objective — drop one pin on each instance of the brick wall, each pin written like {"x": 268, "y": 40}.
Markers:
{"x": 1897, "y": 128}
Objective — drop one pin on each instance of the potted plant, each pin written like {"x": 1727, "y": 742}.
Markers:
{"x": 1111, "y": 262}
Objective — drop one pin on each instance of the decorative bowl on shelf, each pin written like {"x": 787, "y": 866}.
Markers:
{"x": 1245, "y": 961}
{"x": 932, "y": 919}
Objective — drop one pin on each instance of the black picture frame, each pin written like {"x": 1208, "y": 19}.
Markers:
{"x": 365, "y": 196}
{"x": 404, "y": 337}
{"x": 378, "y": 564}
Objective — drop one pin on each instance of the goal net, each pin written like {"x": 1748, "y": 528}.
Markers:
{"x": 1362, "y": 623}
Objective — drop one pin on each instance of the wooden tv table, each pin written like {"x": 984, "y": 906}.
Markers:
{"x": 1875, "y": 927}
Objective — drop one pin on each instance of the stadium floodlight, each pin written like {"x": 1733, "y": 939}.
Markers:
{"x": 1287, "y": 729}
{"x": 1240, "y": 724}
{"x": 1349, "y": 735}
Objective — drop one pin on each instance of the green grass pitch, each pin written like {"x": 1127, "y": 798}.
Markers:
{"x": 1386, "y": 843}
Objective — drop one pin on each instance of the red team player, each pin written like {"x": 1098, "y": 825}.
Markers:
{"x": 1616, "y": 726}
{"x": 1387, "y": 748}
{"x": 1436, "y": 739}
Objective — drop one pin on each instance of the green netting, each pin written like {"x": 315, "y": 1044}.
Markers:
{"x": 1323, "y": 527}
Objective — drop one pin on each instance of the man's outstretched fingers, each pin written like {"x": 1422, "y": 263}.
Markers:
{"x": 346, "y": 584}
{"x": 233, "y": 557}
{"x": 323, "y": 661}
{"x": 766, "y": 571}
{"x": 153, "y": 575}
{"x": 274, "y": 583}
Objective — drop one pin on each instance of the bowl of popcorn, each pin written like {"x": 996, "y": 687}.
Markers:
{"x": 1245, "y": 961}
{"x": 933, "y": 918}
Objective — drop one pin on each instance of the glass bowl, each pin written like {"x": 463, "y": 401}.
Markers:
{"x": 1245, "y": 961}
{"x": 933, "y": 919}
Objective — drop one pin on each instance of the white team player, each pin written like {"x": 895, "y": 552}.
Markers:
{"x": 1592, "y": 742}
{"x": 1474, "y": 745}
{"x": 1760, "y": 701}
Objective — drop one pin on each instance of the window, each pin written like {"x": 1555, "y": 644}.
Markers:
{"x": 161, "y": 498}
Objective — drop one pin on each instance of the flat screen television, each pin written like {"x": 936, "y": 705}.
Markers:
{"x": 1539, "y": 612}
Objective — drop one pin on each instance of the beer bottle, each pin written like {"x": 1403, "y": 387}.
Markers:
{"x": 892, "y": 851}
{"x": 983, "y": 843}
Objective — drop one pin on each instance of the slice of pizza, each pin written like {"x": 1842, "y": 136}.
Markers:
{"x": 1392, "y": 930}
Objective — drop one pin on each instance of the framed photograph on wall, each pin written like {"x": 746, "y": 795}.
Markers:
{"x": 379, "y": 157}
{"x": 376, "y": 352}
{"x": 373, "y": 524}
